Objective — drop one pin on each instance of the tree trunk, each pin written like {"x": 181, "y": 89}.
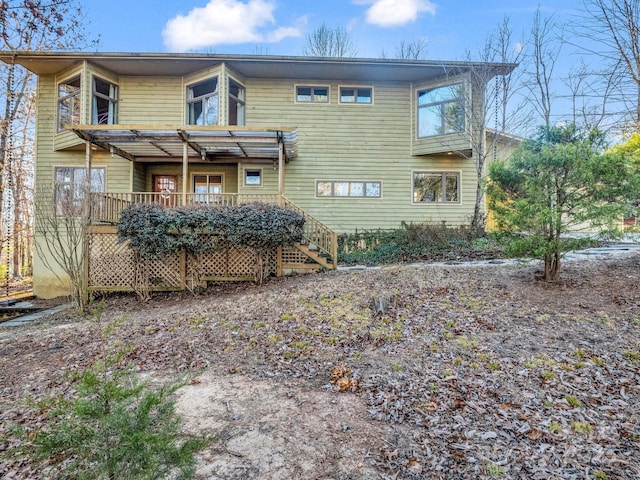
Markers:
{"x": 552, "y": 267}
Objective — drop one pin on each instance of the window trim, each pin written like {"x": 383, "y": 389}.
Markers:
{"x": 65, "y": 80}
{"x": 364, "y": 196}
{"x": 56, "y": 207}
{"x": 463, "y": 100}
{"x": 252, "y": 185}
{"x": 458, "y": 174}
{"x": 189, "y": 100}
{"x": 354, "y": 87}
{"x": 312, "y": 87}
{"x": 113, "y": 100}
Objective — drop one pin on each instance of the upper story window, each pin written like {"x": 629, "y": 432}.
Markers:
{"x": 236, "y": 103}
{"x": 441, "y": 110}
{"x": 105, "y": 102}
{"x": 69, "y": 102}
{"x": 312, "y": 94}
{"x": 356, "y": 95}
{"x": 202, "y": 103}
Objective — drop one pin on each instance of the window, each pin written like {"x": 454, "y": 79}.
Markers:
{"x": 436, "y": 187}
{"x": 441, "y": 110}
{"x": 69, "y": 188}
{"x": 356, "y": 95}
{"x": 207, "y": 187}
{"x": 202, "y": 103}
{"x": 336, "y": 188}
{"x": 253, "y": 178}
{"x": 69, "y": 103}
{"x": 312, "y": 94}
{"x": 105, "y": 102}
{"x": 236, "y": 103}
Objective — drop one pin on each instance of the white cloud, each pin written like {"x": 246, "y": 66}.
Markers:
{"x": 224, "y": 22}
{"x": 394, "y": 13}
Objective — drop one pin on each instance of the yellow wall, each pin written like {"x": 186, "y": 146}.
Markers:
{"x": 343, "y": 142}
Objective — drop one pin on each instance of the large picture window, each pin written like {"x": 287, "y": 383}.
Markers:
{"x": 202, "y": 103}
{"x": 105, "y": 102}
{"x": 441, "y": 110}
{"x": 337, "y": 188}
{"x": 436, "y": 187}
{"x": 70, "y": 188}
{"x": 69, "y": 102}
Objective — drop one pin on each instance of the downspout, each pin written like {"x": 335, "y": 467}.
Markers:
{"x": 281, "y": 167}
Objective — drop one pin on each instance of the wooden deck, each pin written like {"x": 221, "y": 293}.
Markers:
{"x": 112, "y": 266}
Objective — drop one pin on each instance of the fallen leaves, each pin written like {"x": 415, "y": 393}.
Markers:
{"x": 340, "y": 377}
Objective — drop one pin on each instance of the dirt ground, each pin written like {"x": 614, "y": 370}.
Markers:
{"x": 426, "y": 372}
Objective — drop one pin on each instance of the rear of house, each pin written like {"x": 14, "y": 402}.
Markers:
{"x": 352, "y": 143}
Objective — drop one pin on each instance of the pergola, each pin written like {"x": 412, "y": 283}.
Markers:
{"x": 192, "y": 144}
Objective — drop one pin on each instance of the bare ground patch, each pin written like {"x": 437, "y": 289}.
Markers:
{"x": 476, "y": 372}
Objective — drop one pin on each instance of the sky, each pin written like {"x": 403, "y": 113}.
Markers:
{"x": 450, "y": 28}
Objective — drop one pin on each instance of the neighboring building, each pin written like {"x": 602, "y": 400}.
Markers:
{"x": 354, "y": 143}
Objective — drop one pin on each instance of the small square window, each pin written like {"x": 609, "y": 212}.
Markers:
{"x": 312, "y": 94}
{"x": 356, "y": 95}
{"x": 253, "y": 178}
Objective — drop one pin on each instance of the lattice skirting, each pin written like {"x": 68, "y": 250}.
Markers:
{"x": 112, "y": 265}
{"x": 293, "y": 255}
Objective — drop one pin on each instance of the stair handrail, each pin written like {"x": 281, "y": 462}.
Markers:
{"x": 316, "y": 232}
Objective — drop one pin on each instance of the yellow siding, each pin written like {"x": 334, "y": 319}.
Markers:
{"x": 357, "y": 142}
{"x": 151, "y": 101}
{"x": 344, "y": 142}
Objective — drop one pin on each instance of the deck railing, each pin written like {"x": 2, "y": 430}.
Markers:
{"x": 106, "y": 207}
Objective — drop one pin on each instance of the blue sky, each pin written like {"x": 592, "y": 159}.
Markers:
{"x": 279, "y": 27}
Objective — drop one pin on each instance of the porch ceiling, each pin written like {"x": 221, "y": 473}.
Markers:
{"x": 205, "y": 143}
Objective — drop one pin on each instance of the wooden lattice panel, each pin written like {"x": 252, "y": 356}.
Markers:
{"x": 111, "y": 264}
{"x": 165, "y": 273}
{"x": 293, "y": 255}
{"x": 238, "y": 263}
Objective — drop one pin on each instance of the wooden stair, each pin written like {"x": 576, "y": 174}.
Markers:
{"x": 319, "y": 246}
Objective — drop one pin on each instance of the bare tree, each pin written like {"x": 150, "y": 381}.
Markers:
{"x": 546, "y": 45}
{"x": 325, "y": 41}
{"x": 613, "y": 26}
{"x": 26, "y": 25}
{"x": 414, "y": 50}
{"x": 62, "y": 229}
{"x": 493, "y": 90}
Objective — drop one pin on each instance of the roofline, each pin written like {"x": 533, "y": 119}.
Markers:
{"x": 20, "y": 56}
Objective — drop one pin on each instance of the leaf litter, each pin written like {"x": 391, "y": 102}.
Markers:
{"x": 458, "y": 372}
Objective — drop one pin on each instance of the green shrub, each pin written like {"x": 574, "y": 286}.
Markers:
{"x": 154, "y": 230}
{"x": 415, "y": 242}
{"x": 111, "y": 426}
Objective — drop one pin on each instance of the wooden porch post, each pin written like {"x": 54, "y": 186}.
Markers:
{"x": 185, "y": 171}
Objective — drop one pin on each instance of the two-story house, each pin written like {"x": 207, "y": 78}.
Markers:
{"x": 353, "y": 143}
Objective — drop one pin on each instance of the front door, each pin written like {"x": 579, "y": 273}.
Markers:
{"x": 166, "y": 186}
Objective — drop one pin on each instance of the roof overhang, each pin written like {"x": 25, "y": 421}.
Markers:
{"x": 204, "y": 143}
{"x": 254, "y": 66}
